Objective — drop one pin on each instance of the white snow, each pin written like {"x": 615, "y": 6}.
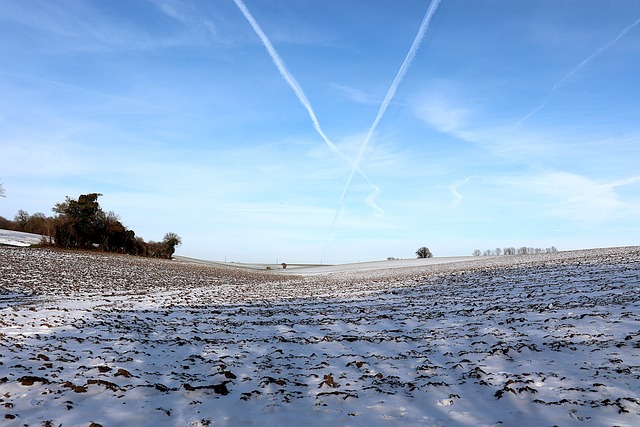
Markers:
{"x": 18, "y": 238}
{"x": 118, "y": 340}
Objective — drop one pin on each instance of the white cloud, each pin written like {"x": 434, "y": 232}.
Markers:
{"x": 356, "y": 95}
{"x": 457, "y": 196}
{"x": 41, "y": 159}
{"x": 446, "y": 117}
{"x": 577, "y": 198}
{"x": 446, "y": 110}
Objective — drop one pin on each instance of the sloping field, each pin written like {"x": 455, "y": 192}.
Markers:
{"x": 124, "y": 341}
{"x": 19, "y": 238}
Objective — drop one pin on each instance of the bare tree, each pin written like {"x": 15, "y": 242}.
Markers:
{"x": 21, "y": 219}
{"x": 2, "y": 193}
{"x": 37, "y": 223}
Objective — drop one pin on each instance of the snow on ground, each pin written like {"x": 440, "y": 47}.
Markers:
{"x": 125, "y": 341}
{"x": 391, "y": 264}
{"x": 18, "y": 238}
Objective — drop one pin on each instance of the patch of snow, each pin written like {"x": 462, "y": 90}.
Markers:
{"x": 19, "y": 238}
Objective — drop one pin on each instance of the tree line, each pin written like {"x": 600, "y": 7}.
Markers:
{"x": 82, "y": 224}
{"x": 515, "y": 251}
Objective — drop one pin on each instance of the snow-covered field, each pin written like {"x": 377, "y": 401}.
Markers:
{"x": 123, "y": 341}
{"x": 18, "y": 238}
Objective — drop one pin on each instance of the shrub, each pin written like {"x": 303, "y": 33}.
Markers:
{"x": 424, "y": 252}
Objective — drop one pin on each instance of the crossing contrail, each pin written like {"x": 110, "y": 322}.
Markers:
{"x": 385, "y": 103}
{"x": 601, "y": 49}
{"x": 288, "y": 77}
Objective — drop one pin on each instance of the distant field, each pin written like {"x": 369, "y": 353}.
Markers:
{"x": 308, "y": 269}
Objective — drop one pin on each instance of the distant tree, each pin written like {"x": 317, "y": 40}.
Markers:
{"x": 5, "y": 223}
{"x": 140, "y": 247}
{"x": 171, "y": 240}
{"x": 154, "y": 249}
{"x": 424, "y": 252}
{"x": 38, "y": 223}
{"x": 523, "y": 250}
{"x": 114, "y": 234}
{"x": 21, "y": 219}
{"x": 2, "y": 192}
{"x": 80, "y": 223}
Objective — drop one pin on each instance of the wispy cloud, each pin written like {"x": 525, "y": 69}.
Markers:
{"x": 356, "y": 95}
{"x": 55, "y": 157}
{"x": 562, "y": 81}
{"x": 457, "y": 196}
{"x": 86, "y": 92}
{"x": 443, "y": 114}
{"x": 576, "y": 198}
{"x": 447, "y": 110}
{"x": 189, "y": 15}
{"x": 67, "y": 20}
{"x": 91, "y": 27}
{"x": 581, "y": 190}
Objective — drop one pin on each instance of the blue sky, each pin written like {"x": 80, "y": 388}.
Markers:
{"x": 515, "y": 123}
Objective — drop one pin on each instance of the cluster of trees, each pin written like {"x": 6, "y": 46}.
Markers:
{"x": 38, "y": 223}
{"x": 513, "y": 251}
{"x": 82, "y": 224}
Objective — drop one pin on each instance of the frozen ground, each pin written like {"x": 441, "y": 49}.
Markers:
{"x": 122, "y": 341}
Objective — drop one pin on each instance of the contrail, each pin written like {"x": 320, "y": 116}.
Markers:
{"x": 288, "y": 77}
{"x": 601, "y": 49}
{"x": 383, "y": 108}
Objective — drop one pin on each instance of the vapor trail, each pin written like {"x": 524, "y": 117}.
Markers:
{"x": 424, "y": 25}
{"x": 288, "y": 77}
{"x": 601, "y": 49}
